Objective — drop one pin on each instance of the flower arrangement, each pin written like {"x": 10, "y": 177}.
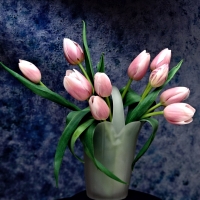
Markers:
{"x": 96, "y": 88}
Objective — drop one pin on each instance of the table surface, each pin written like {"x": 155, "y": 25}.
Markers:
{"x": 132, "y": 195}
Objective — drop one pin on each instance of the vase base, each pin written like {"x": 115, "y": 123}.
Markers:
{"x": 116, "y": 196}
{"x": 132, "y": 195}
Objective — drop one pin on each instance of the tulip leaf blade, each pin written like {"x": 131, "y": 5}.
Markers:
{"x": 136, "y": 113}
{"x": 172, "y": 72}
{"x": 88, "y": 62}
{"x": 131, "y": 97}
{"x": 80, "y": 129}
{"x": 87, "y": 141}
{"x": 154, "y": 123}
{"x": 100, "y": 65}
{"x": 42, "y": 91}
{"x": 142, "y": 107}
{"x": 71, "y": 126}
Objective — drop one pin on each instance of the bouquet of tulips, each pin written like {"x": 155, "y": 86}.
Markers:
{"x": 96, "y": 88}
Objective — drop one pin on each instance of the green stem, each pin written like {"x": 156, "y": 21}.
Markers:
{"x": 86, "y": 75}
{"x": 152, "y": 114}
{"x": 108, "y": 102}
{"x": 154, "y": 107}
{"x": 126, "y": 87}
{"x": 42, "y": 84}
{"x": 146, "y": 91}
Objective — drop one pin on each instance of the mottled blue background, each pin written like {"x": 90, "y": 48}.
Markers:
{"x": 31, "y": 126}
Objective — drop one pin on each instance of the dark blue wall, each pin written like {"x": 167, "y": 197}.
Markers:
{"x": 31, "y": 126}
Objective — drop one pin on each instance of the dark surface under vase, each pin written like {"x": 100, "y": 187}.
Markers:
{"x": 132, "y": 195}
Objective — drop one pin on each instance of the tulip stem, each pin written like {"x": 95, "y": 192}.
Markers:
{"x": 154, "y": 107}
{"x": 127, "y": 87}
{"x": 152, "y": 114}
{"x": 146, "y": 91}
{"x": 86, "y": 75}
{"x": 108, "y": 102}
{"x": 42, "y": 84}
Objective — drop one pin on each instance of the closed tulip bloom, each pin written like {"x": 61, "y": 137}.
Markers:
{"x": 102, "y": 84}
{"x": 77, "y": 85}
{"x": 162, "y": 58}
{"x": 30, "y": 71}
{"x": 139, "y": 66}
{"x": 179, "y": 113}
{"x": 99, "y": 108}
{"x": 158, "y": 76}
{"x": 73, "y": 52}
{"x": 174, "y": 95}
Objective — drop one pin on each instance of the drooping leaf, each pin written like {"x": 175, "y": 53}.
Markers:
{"x": 42, "y": 90}
{"x": 143, "y": 106}
{"x": 88, "y": 62}
{"x": 87, "y": 141}
{"x": 154, "y": 123}
{"x": 71, "y": 126}
{"x": 77, "y": 134}
{"x": 100, "y": 65}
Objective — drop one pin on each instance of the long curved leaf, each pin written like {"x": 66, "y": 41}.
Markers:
{"x": 65, "y": 137}
{"x": 88, "y": 62}
{"x": 87, "y": 141}
{"x": 42, "y": 90}
{"x": 77, "y": 134}
{"x": 154, "y": 123}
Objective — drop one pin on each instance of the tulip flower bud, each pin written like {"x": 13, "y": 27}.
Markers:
{"x": 30, "y": 71}
{"x": 174, "y": 95}
{"x": 162, "y": 58}
{"x": 99, "y": 108}
{"x": 158, "y": 76}
{"x": 102, "y": 84}
{"x": 77, "y": 85}
{"x": 179, "y": 113}
{"x": 139, "y": 66}
{"x": 73, "y": 52}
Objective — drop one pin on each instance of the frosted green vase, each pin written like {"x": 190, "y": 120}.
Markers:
{"x": 114, "y": 147}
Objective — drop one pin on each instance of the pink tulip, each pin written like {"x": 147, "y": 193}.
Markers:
{"x": 158, "y": 76}
{"x": 102, "y": 84}
{"x": 73, "y": 52}
{"x": 77, "y": 85}
{"x": 99, "y": 108}
{"x": 139, "y": 66}
{"x": 162, "y": 58}
{"x": 179, "y": 113}
{"x": 174, "y": 95}
{"x": 30, "y": 71}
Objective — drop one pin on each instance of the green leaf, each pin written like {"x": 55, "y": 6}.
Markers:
{"x": 143, "y": 106}
{"x": 42, "y": 91}
{"x": 71, "y": 126}
{"x": 77, "y": 134}
{"x": 100, "y": 65}
{"x": 87, "y": 140}
{"x": 154, "y": 123}
{"x": 172, "y": 72}
{"x": 131, "y": 97}
{"x": 88, "y": 62}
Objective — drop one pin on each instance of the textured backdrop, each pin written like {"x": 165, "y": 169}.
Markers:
{"x": 31, "y": 126}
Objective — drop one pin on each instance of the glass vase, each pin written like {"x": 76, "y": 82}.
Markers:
{"x": 114, "y": 147}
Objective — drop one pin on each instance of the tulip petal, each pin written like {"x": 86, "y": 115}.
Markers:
{"x": 77, "y": 85}
{"x": 179, "y": 113}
